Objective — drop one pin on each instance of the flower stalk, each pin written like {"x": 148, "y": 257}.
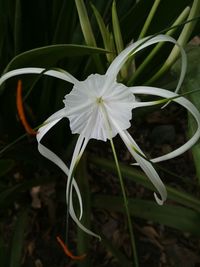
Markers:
{"x": 130, "y": 223}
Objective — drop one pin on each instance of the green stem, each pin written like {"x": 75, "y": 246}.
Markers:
{"x": 156, "y": 49}
{"x": 83, "y": 239}
{"x": 135, "y": 258}
{"x": 149, "y": 19}
{"x": 182, "y": 40}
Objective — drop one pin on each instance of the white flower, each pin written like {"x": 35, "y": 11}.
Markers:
{"x": 100, "y": 108}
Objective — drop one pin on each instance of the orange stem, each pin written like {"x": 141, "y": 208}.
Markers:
{"x": 20, "y": 110}
{"x": 67, "y": 251}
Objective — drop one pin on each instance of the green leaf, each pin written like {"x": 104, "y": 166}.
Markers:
{"x": 139, "y": 177}
{"x": 147, "y": 23}
{"x": 183, "y": 39}
{"x": 151, "y": 56}
{"x": 133, "y": 21}
{"x": 5, "y": 166}
{"x": 85, "y": 23}
{"x": 47, "y": 56}
{"x": 107, "y": 41}
{"x": 18, "y": 239}
{"x": 116, "y": 29}
{"x": 87, "y": 31}
{"x": 180, "y": 218}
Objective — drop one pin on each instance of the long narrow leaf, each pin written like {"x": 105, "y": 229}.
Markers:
{"x": 48, "y": 55}
{"x": 138, "y": 177}
{"x": 182, "y": 40}
{"x": 176, "y": 217}
{"x": 108, "y": 44}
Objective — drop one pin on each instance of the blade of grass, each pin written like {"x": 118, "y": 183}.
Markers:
{"x": 109, "y": 46}
{"x": 116, "y": 29}
{"x": 118, "y": 37}
{"x": 126, "y": 206}
{"x": 149, "y": 19}
{"x": 182, "y": 40}
{"x": 181, "y": 18}
{"x": 87, "y": 31}
{"x": 85, "y": 23}
{"x": 177, "y": 217}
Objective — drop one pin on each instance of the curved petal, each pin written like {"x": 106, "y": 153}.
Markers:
{"x": 146, "y": 166}
{"x": 118, "y": 62}
{"x": 78, "y": 152}
{"x": 63, "y": 75}
{"x": 47, "y": 153}
{"x": 75, "y": 159}
{"x": 180, "y": 100}
{"x": 49, "y": 123}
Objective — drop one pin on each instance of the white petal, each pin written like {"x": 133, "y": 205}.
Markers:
{"x": 63, "y": 75}
{"x": 75, "y": 159}
{"x": 119, "y": 61}
{"x": 79, "y": 224}
{"x": 78, "y": 152}
{"x": 49, "y": 123}
{"x": 183, "y": 102}
{"x": 47, "y": 153}
{"x": 144, "y": 164}
{"x": 83, "y": 107}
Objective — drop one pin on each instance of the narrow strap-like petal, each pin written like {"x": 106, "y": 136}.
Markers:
{"x": 146, "y": 166}
{"x": 180, "y": 100}
{"x": 119, "y": 61}
{"x": 63, "y": 75}
{"x": 78, "y": 152}
{"x": 49, "y": 123}
{"x": 75, "y": 159}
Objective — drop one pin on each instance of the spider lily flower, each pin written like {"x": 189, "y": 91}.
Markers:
{"x": 100, "y": 108}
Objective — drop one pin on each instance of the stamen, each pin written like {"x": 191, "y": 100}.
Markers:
{"x": 68, "y": 252}
{"x": 20, "y": 110}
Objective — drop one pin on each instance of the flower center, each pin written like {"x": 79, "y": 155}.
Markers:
{"x": 99, "y": 100}
{"x": 94, "y": 97}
